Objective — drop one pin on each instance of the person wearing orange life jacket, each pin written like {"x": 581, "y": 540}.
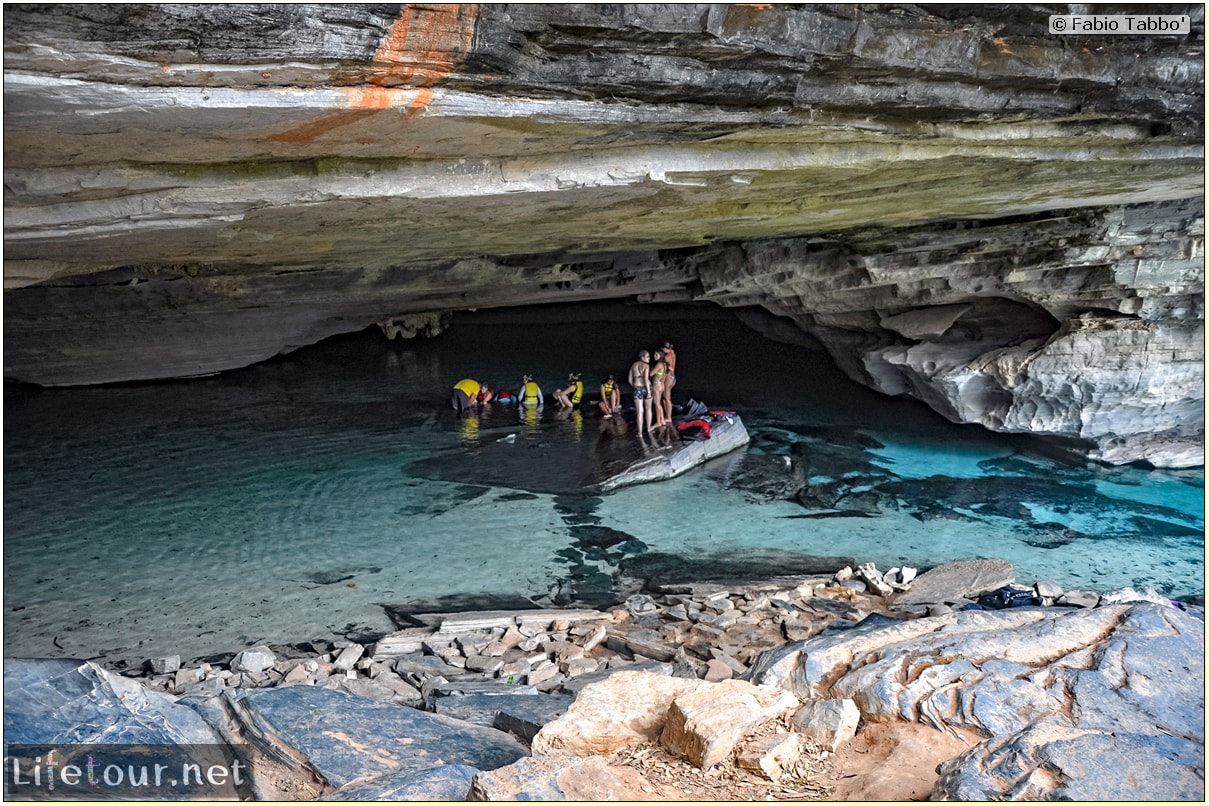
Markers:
{"x": 574, "y": 393}
{"x": 531, "y": 393}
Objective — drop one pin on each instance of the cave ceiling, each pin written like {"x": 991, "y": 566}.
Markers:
{"x": 961, "y": 206}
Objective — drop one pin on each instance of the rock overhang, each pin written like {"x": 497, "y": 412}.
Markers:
{"x": 189, "y": 192}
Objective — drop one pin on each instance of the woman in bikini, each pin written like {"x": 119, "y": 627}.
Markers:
{"x": 669, "y": 358}
{"x": 658, "y": 382}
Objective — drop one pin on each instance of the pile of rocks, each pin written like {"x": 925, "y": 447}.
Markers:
{"x": 708, "y": 631}
{"x": 593, "y": 705}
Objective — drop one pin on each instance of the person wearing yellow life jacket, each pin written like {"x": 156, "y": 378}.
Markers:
{"x": 531, "y": 393}
{"x": 610, "y": 397}
{"x": 465, "y": 392}
{"x": 572, "y": 394}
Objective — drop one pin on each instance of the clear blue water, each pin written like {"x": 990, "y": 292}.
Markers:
{"x": 304, "y": 497}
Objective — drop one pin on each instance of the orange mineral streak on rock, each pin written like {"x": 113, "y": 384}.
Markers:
{"x": 423, "y": 45}
{"x": 309, "y": 131}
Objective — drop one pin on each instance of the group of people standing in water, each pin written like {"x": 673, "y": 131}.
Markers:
{"x": 652, "y": 377}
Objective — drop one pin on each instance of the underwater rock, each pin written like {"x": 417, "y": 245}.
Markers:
{"x": 759, "y": 476}
{"x": 741, "y": 565}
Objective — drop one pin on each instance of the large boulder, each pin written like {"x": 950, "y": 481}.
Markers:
{"x": 705, "y": 724}
{"x": 726, "y": 434}
{"x": 65, "y": 701}
{"x": 622, "y": 709}
{"x": 1124, "y": 676}
{"x": 78, "y": 710}
{"x": 350, "y": 740}
{"x": 1051, "y": 761}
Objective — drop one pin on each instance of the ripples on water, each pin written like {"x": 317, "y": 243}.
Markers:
{"x": 296, "y": 499}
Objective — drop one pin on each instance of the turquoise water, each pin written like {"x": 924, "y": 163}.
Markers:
{"x": 312, "y": 495}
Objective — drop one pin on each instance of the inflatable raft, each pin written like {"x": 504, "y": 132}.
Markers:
{"x": 713, "y": 435}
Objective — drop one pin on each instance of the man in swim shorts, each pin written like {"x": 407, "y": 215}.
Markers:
{"x": 640, "y": 379}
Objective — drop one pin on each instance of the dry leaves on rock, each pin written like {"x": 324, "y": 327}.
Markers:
{"x": 726, "y": 781}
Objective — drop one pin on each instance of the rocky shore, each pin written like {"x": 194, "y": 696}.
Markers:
{"x": 954, "y": 684}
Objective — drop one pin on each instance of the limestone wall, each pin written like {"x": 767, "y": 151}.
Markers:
{"x": 192, "y": 188}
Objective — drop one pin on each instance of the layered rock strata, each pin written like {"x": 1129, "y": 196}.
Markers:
{"x": 1004, "y": 223}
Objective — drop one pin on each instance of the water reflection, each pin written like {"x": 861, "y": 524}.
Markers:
{"x": 531, "y": 417}
{"x": 575, "y": 418}
{"x": 470, "y": 426}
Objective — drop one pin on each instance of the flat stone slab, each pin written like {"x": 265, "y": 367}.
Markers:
{"x": 485, "y": 709}
{"x": 351, "y": 739}
{"x": 470, "y": 621}
{"x": 528, "y": 722}
{"x": 436, "y": 690}
{"x": 957, "y": 579}
{"x": 444, "y": 783}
